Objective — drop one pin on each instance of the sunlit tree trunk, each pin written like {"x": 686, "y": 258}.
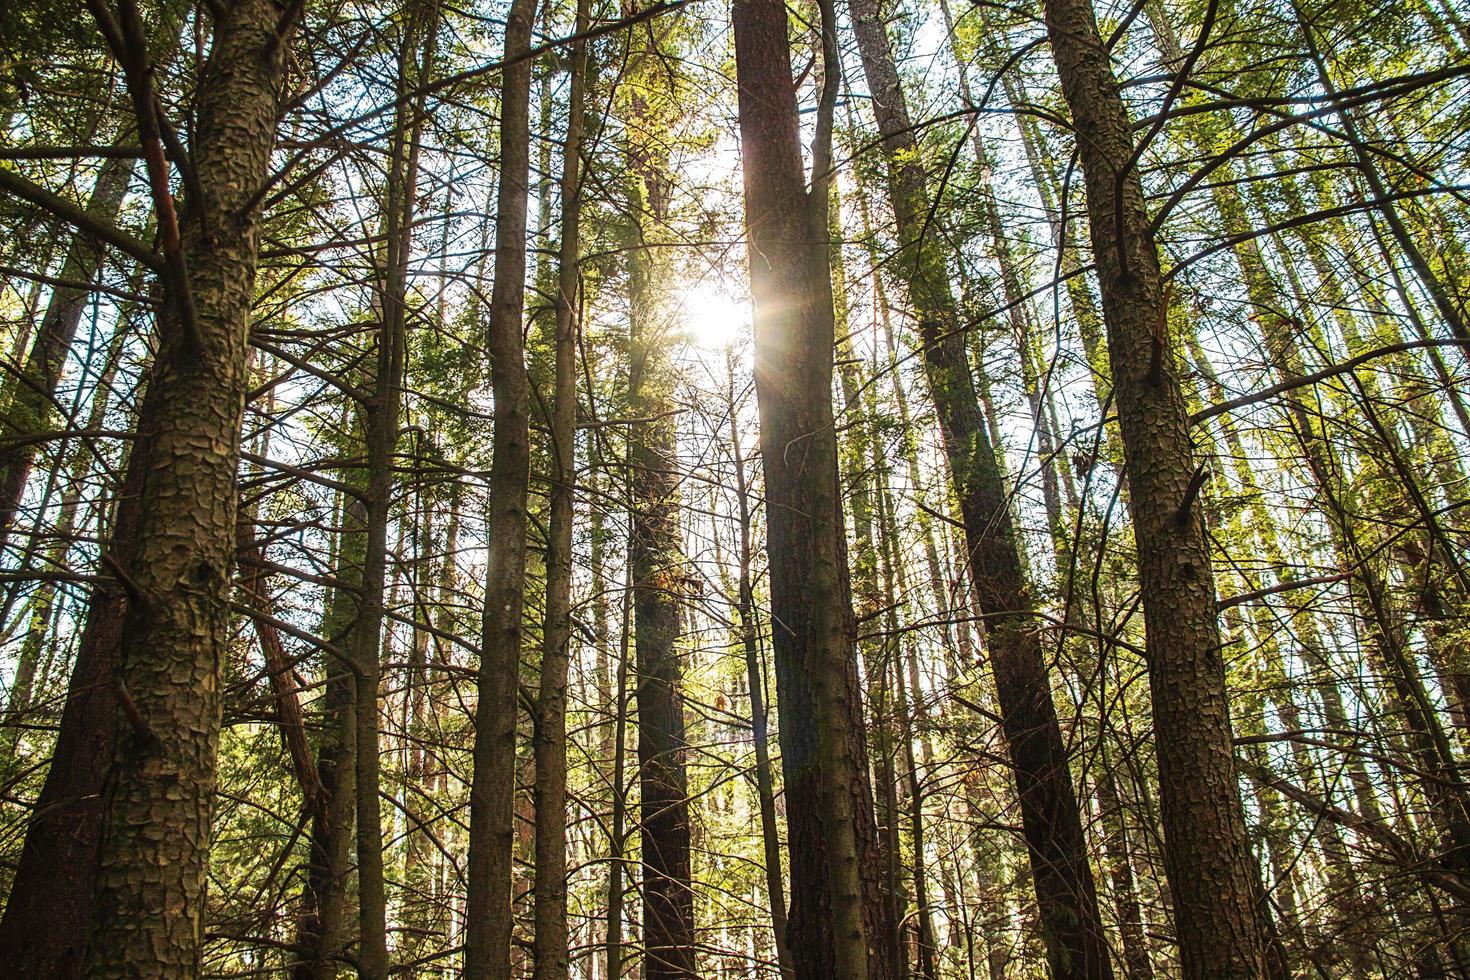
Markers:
{"x": 1207, "y": 855}
{"x": 1066, "y": 893}
{"x": 836, "y": 923}
{"x": 656, "y": 559}
{"x": 755, "y": 682}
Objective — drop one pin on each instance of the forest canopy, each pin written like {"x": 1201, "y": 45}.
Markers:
{"x": 662, "y": 489}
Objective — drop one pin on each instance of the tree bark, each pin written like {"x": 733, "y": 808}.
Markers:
{"x": 1207, "y": 856}
{"x": 745, "y": 609}
{"x": 836, "y": 924}
{"x": 380, "y": 423}
{"x": 175, "y": 563}
{"x": 656, "y": 562}
{"x": 488, "y": 914}
{"x": 613, "y": 946}
{"x": 550, "y": 747}
{"x": 50, "y": 910}
{"x": 329, "y": 852}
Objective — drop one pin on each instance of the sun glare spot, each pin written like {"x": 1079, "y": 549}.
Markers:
{"x": 713, "y": 318}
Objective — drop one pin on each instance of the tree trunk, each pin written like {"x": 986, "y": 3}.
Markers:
{"x": 50, "y": 909}
{"x": 836, "y": 924}
{"x": 488, "y": 914}
{"x": 656, "y": 562}
{"x": 865, "y": 474}
{"x": 550, "y": 747}
{"x": 1066, "y": 893}
{"x": 613, "y": 947}
{"x": 1207, "y": 856}
{"x": 329, "y": 854}
{"x": 380, "y": 423}
{"x": 175, "y": 563}
{"x": 755, "y": 683}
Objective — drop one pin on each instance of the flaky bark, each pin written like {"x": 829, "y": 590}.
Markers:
{"x": 1207, "y": 856}
{"x": 175, "y": 564}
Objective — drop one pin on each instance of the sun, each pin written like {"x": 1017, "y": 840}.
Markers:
{"x": 714, "y": 318}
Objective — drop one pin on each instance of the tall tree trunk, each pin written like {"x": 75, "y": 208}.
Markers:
{"x": 1119, "y": 865}
{"x": 928, "y": 947}
{"x": 863, "y": 475}
{"x": 1207, "y": 855}
{"x": 656, "y": 562}
{"x": 1066, "y": 893}
{"x": 836, "y": 925}
{"x": 380, "y": 423}
{"x": 613, "y": 946}
{"x": 745, "y": 609}
{"x": 488, "y": 915}
{"x": 175, "y": 562}
{"x": 550, "y": 747}
{"x": 416, "y": 909}
{"x": 329, "y": 852}
{"x": 50, "y": 908}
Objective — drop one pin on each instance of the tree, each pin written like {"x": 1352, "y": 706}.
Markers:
{"x": 551, "y": 702}
{"x": 998, "y": 605}
{"x": 1065, "y": 890}
{"x": 1206, "y": 852}
{"x": 487, "y": 907}
{"x": 835, "y": 924}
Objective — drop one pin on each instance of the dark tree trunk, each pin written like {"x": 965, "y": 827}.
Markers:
{"x": 1207, "y": 856}
{"x": 380, "y": 423}
{"x": 488, "y": 914}
{"x": 837, "y": 925}
{"x": 656, "y": 562}
{"x": 319, "y": 931}
{"x": 1066, "y": 894}
{"x": 50, "y": 909}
